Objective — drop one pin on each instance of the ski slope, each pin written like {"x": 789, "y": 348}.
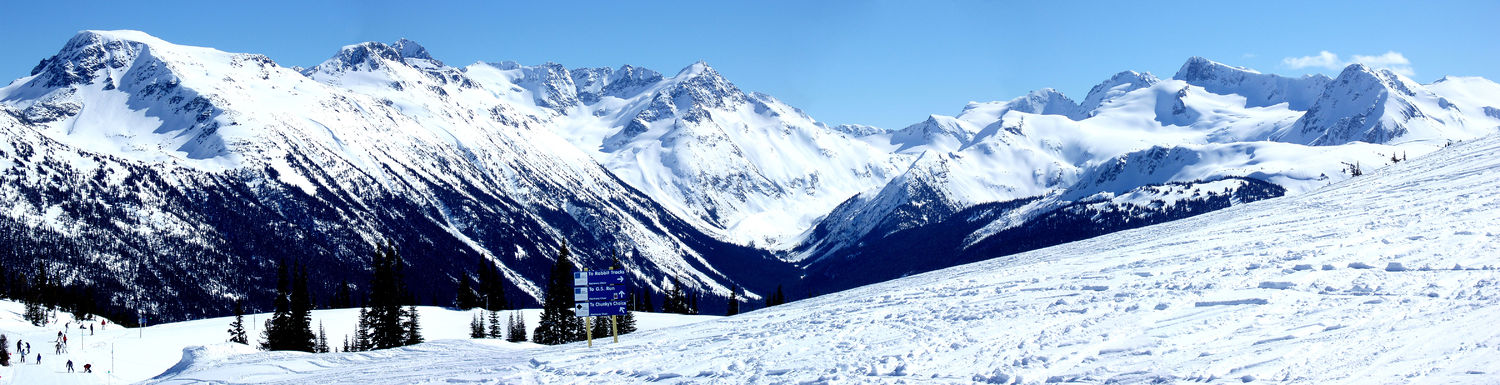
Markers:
{"x": 1386, "y": 278}
{"x": 131, "y": 355}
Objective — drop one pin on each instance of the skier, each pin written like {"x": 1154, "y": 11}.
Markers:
{"x": 88, "y": 368}
{"x": 38, "y": 358}
{"x": 70, "y": 366}
{"x": 91, "y": 329}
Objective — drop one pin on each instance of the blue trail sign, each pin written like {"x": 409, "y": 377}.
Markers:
{"x": 596, "y": 309}
{"x": 599, "y": 277}
{"x": 600, "y": 293}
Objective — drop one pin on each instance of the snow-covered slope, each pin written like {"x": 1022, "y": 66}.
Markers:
{"x": 1133, "y": 131}
{"x": 132, "y": 355}
{"x": 1380, "y": 106}
{"x": 161, "y": 163}
{"x": 1385, "y": 278}
{"x": 742, "y": 166}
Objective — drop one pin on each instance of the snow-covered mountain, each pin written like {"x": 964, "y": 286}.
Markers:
{"x": 743, "y": 166}
{"x": 145, "y": 165}
{"x": 1385, "y": 278}
{"x": 191, "y": 170}
{"x": 1000, "y": 170}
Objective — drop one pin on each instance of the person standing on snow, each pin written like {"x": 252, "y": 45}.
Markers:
{"x": 70, "y": 366}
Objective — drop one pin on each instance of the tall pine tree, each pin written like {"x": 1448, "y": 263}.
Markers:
{"x": 516, "y": 332}
{"x": 495, "y": 331}
{"x": 237, "y": 328}
{"x": 734, "y": 301}
{"x": 322, "y": 345}
{"x": 290, "y": 325}
{"x": 383, "y": 322}
{"x": 466, "y": 298}
{"x": 411, "y": 324}
{"x": 558, "y": 324}
{"x": 476, "y": 327}
{"x": 4, "y": 351}
{"x": 492, "y": 288}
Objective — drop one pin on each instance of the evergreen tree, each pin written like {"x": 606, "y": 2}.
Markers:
{"x": 466, "y": 298}
{"x": 4, "y": 351}
{"x": 517, "y": 330}
{"x": 322, "y": 345}
{"x": 777, "y": 298}
{"x": 627, "y": 323}
{"x": 558, "y": 325}
{"x": 677, "y": 301}
{"x": 299, "y": 324}
{"x": 35, "y": 313}
{"x": 693, "y": 307}
{"x": 494, "y": 330}
{"x": 237, "y": 328}
{"x": 492, "y": 288}
{"x": 362, "y": 332}
{"x": 734, "y": 301}
{"x": 275, "y": 336}
{"x": 383, "y": 323}
{"x": 476, "y": 327}
{"x": 343, "y": 297}
{"x": 347, "y": 346}
{"x": 412, "y": 326}
{"x": 646, "y": 305}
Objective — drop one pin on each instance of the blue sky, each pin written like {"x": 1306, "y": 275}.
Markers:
{"x": 883, "y": 63}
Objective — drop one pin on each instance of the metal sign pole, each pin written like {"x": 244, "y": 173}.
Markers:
{"x": 588, "y": 329}
{"x": 614, "y": 324}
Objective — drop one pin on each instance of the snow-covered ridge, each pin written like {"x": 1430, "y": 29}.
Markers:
{"x": 1388, "y": 277}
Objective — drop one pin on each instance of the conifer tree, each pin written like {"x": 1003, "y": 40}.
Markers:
{"x": 299, "y": 327}
{"x": 322, "y": 345}
{"x": 237, "y": 328}
{"x": 275, "y": 336}
{"x": 558, "y": 324}
{"x": 383, "y": 322}
{"x": 476, "y": 327}
{"x": 495, "y": 331}
{"x": 646, "y": 305}
{"x": 627, "y": 323}
{"x": 777, "y": 298}
{"x": 343, "y": 297}
{"x": 362, "y": 332}
{"x": 677, "y": 300}
{"x": 4, "y": 351}
{"x": 734, "y": 301}
{"x": 466, "y": 298}
{"x": 492, "y": 288}
{"x": 517, "y": 330}
{"x": 412, "y": 326}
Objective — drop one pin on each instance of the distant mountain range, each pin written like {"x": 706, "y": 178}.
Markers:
{"x": 173, "y": 178}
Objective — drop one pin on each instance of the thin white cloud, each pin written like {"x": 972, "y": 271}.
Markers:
{"x": 1391, "y": 60}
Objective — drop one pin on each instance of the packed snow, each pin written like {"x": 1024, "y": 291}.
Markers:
{"x": 1286, "y": 290}
{"x": 132, "y": 355}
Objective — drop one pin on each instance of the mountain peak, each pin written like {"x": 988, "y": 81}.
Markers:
{"x": 410, "y": 49}
{"x": 90, "y": 51}
{"x": 1119, "y": 84}
{"x": 1198, "y": 68}
{"x": 1259, "y": 90}
{"x": 696, "y": 69}
{"x": 363, "y": 56}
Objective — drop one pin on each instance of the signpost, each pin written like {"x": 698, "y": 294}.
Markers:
{"x": 597, "y": 294}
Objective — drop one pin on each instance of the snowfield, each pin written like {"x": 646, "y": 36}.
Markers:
{"x": 1386, "y": 278}
{"x": 169, "y": 349}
